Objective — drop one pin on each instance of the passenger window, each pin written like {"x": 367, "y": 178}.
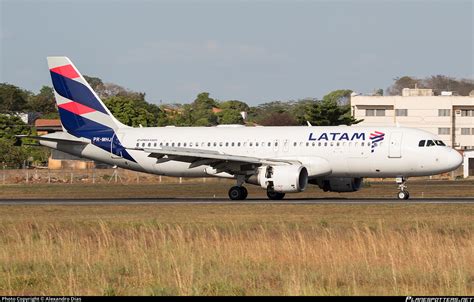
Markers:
{"x": 337, "y": 144}
{"x": 232, "y": 144}
{"x": 276, "y": 144}
{"x": 319, "y": 144}
{"x": 154, "y": 145}
{"x": 138, "y": 144}
{"x": 325, "y": 144}
{"x": 256, "y": 144}
{"x": 227, "y": 144}
{"x": 362, "y": 144}
{"x": 238, "y": 144}
{"x": 307, "y": 144}
{"x": 332, "y": 144}
{"x": 294, "y": 144}
{"x": 421, "y": 143}
{"x": 143, "y": 144}
{"x": 172, "y": 144}
{"x": 184, "y": 144}
{"x": 250, "y": 144}
{"x": 215, "y": 144}
{"x": 221, "y": 144}
{"x": 430, "y": 143}
{"x": 440, "y": 143}
{"x": 167, "y": 144}
{"x": 208, "y": 144}
{"x": 314, "y": 144}
{"x": 179, "y": 144}
{"x": 269, "y": 144}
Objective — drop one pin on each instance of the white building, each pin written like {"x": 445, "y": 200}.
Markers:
{"x": 449, "y": 116}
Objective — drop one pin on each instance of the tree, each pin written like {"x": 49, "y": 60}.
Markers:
{"x": 95, "y": 83}
{"x": 278, "y": 119}
{"x": 43, "y": 102}
{"x": 12, "y": 98}
{"x": 234, "y": 105}
{"x": 400, "y": 83}
{"x": 333, "y": 110}
{"x": 11, "y": 155}
{"x": 11, "y": 126}
{"x": 133, "y": 112}
{"x": 230, "y": 117}
{"x": 441, "y": 83}
{"x": 199, "y": 113}
{"x": 231, "y": 112}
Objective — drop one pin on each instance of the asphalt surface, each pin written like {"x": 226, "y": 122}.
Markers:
{"x": 118, "y": 201}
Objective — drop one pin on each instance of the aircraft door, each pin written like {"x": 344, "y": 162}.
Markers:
{"x": 395, "y": 147}
{"x": 286, "y": 144}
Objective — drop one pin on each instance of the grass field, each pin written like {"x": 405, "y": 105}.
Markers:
{"x": 232, "y": 249}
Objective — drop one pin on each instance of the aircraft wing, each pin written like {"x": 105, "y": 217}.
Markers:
{"x": 222, "y": 162}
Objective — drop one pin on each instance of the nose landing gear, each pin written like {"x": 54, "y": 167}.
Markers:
{"x": 403, "y": 194}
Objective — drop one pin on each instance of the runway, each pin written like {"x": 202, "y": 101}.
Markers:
{"x": 128, "y": 201}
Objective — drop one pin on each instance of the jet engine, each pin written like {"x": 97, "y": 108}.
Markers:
{"x": 282, "y": 179}
{"x": 339, "y": 184}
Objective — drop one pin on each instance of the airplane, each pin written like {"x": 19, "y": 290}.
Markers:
{"x": 279, "y": 159}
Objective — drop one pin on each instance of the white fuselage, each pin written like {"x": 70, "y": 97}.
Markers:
{"x": 346, "y": 151}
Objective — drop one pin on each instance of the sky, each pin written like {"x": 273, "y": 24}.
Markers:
{"x": 253, "y": 51}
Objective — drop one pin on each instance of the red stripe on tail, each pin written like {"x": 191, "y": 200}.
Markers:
{"x": 76, "y": 108}
{"x": 67, "y": 71}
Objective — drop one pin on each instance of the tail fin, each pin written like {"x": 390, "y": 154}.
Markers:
{"x": 82, "y": 112}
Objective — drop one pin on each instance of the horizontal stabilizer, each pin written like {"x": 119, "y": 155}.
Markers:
{"x": 53, "y": 139}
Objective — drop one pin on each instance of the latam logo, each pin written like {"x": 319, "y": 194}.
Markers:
{"x": 376, "y": 137}
{"x": 337, "y": 136}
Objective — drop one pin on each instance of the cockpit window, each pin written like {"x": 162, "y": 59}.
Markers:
{"x": 430, "y": 143}
{"x": 421, "y": 143}
{"x": 440, "y": 143}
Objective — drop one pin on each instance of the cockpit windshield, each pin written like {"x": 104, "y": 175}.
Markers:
{"x": 430, "y": 143}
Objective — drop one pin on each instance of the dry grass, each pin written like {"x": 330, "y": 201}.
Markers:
{"x": 237, "y": 250}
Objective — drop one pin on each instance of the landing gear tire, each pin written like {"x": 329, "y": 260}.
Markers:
{"x": 245, "y": 193}
{"x": 403, "y": 195}
{"x": 275, "y": 195}
{"x": 238, "y": 193}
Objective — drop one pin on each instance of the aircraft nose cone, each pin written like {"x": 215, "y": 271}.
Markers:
{"x": 455, "y": 159}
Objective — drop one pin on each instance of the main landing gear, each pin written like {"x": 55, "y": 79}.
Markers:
{"x": 275, "y": 195}
{"x": 403, "y": 194}
{"x": 238, "y": 193}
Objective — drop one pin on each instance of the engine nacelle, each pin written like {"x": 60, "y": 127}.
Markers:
{"x": 339, "y": 184}
{"x": 283, "y": 179}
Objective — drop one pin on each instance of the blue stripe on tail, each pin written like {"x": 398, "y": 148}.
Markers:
{"x": 76, "y": 91}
